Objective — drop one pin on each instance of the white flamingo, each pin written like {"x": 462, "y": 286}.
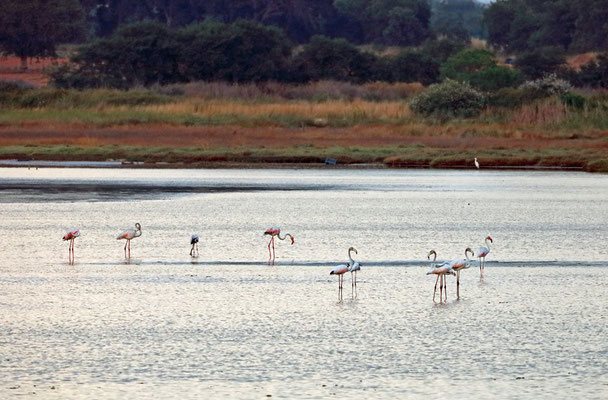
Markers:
{"x": 353, "y": 266}
{"x": 128, "y": 235}
{"x": 194, "y": 243}
{"x": 71, "y": 235}
{"x": 441, "y": 271}
{"x": 275, "y": 231}
{"x": 482, "y": 252}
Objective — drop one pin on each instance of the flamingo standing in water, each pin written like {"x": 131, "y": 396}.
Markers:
{"x": 482, "y": 252}
{"x": 194, "y": 243}
{"x": 353, "y": 266}
{"x": 459, "y": 265}
{"x": 71, "y": 235}
{"x": 440, "y": 271}
{"x": 274, "y": 231}
{"x": 128, "y": 235}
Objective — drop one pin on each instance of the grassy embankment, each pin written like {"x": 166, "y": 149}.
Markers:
{"x": 198, "y": 124}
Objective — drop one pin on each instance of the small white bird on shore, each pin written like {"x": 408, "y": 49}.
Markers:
{"x": 476, "y": 163}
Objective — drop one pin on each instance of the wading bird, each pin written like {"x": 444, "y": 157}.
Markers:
{"x": 194, "y": 243}
{"x": 441, "y": 271}
{"x": 274, "y": 231}
{"x": 459, "y": 265}
{"x": 71, "y": 235}
{"x": 353, "y": 266}
{"x": 482, "y": 252}
{"x": 128, "y": 235}
{"x": 476, "y": 163}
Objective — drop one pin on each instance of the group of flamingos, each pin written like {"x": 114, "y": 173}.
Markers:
{"x": 453, "y": 267}
{"x": 442, "y": 270}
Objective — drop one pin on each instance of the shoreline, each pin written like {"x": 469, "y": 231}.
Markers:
{"x": 16, "y": 163}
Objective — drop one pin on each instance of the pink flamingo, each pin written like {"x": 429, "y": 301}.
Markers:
{"x": 440, "y": 271}
{"x": 128, "y": 235}
{"x": 274, "y": 231}
{"x": 459, "y": 265}
{"x": 482, "y": 252}
{"x": 71, "y": 235}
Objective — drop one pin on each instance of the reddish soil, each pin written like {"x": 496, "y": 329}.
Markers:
{"x": 10, "y": 70}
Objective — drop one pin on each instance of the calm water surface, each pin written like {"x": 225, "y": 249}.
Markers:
{"x": 164, "y": 325}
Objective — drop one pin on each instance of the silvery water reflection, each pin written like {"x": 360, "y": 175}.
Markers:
{"x": 227, "y": 325}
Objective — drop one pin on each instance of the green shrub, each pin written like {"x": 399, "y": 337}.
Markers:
{"x": 573, "y": 100}
{"x": 495, "y": 78}
{"x": 449, "y": 99}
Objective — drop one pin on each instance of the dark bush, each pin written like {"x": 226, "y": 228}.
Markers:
{"x": 573, "y": 100}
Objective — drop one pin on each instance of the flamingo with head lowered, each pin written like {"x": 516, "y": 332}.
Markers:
{"x": 128, "y": 235}
{"x": 460, "y": 264}
{"x": 441, "y": 271}
{"x": 194, "y": 243}
{"x": 482, "y": 252}
{"x": 71, "y": 235}
{"x": 275, "y": 231}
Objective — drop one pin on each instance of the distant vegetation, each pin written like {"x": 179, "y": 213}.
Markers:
{"x": 409, "y": 66}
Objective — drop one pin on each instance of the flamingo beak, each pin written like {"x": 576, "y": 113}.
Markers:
{"x": 292, "y": 240}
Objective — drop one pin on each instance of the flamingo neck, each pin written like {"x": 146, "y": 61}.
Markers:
{"x": 284, "y": 237}
{"x": 487, "y": 244}
{"x": 350, "y": 258}
{"x": 466, "y": 254}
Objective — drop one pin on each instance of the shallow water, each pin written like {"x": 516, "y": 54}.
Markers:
{"x": 227, "y": 325}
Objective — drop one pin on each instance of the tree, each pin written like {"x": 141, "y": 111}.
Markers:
{"x": 540, "y": 62}
{"x": 325, "y": 58}
{"x": 413, "y": 66}
{"x": 458, "y": 19}
{"x": 33, "y": 28}
{"x": 478, "y": 67}
{"x": 244, "y": 51}
{"x": 142, "y": 53}
{"x": 392, "y": 22}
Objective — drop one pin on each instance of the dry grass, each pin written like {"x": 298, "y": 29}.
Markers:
{"x": 549, "y": 112}
{"x": 328, "y": 109}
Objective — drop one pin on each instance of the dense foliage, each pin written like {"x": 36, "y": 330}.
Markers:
{"x": 525, "y": 25}
{"x": 34, "y": 27}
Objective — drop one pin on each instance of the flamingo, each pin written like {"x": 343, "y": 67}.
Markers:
{"x": 128, "y": 235}
{"x": 459, "y": 265}
{"x": 194, "y": 243}
{"x": 353, "y": 266}
{"x": 482, "y": 252}
{"x": 440, "y": 271}
{"x": 476, "y": 163}
{"x": 71, "y": 235}
{"x": 274, "y": 231}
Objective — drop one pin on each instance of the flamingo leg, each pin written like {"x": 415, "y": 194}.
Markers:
{"x": 445, "y": 287}
{"x": 441, "y": 288}
{"x": 72, "y": 245}
{"x": 126, "y": 248}
{"x": 129, "y": 242}
{"x": 458, "y": 284}
{"x": 274, "y": 253}
{"x": 356, "y": 294}
{"x": 435, "y": 290}
{"x": 269, "y": 252}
